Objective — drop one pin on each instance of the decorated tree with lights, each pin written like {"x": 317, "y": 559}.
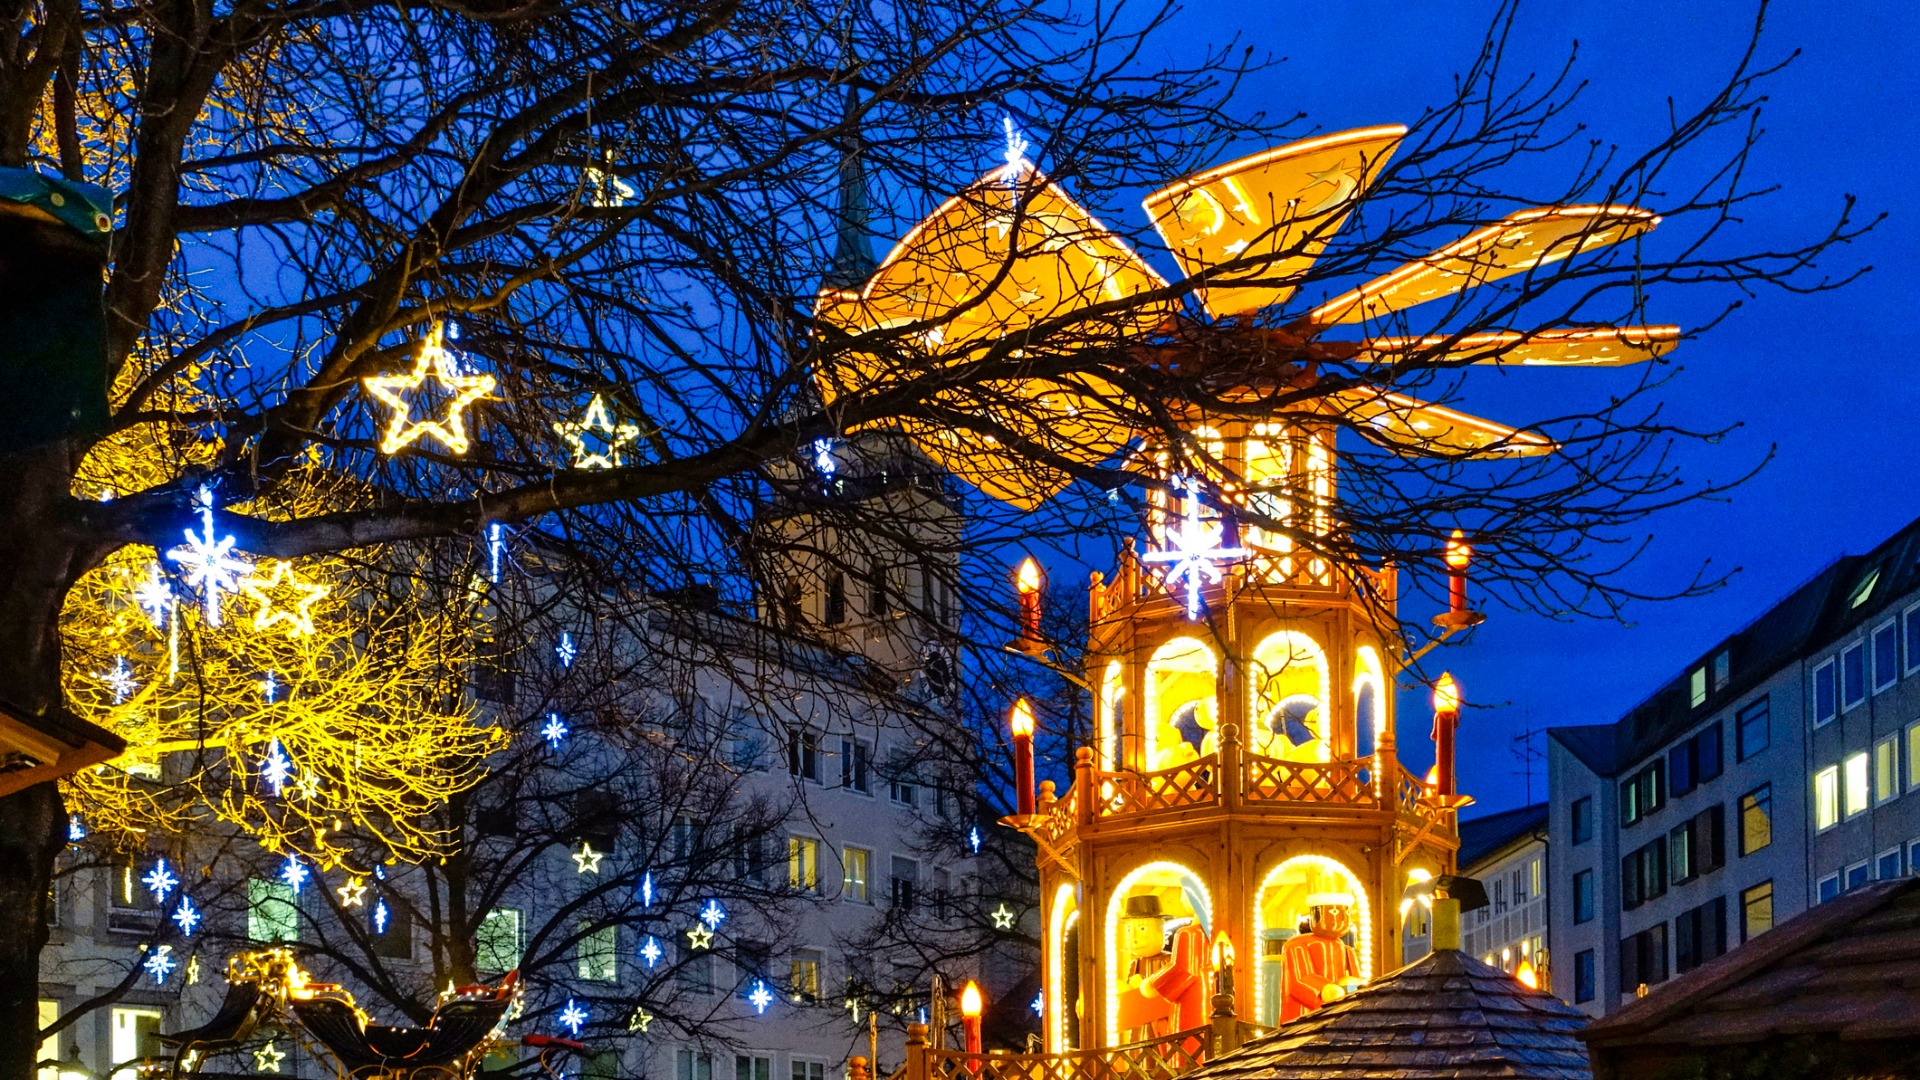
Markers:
{"x": 625, "y": 210}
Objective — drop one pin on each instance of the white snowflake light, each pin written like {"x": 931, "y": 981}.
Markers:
{"x": 276, "y": 768}
{"x": 186, "y": 916}
{"x": 646, "y": 890}
{"x": 1038, "y": 1005}
{"x": 76, "y": 829}
{"x": 269, "y": 689}
{"x": 155, "y": 597}
{"x": 160, "y": 964}
{"x": 554, "y": 730}
{"x": 379, "y": 916}
{"x": 973, "y": 839}
{"x": 565, "y": 651}
{"x": 160, "y": 881}
{"x": 823, "y": 462}
{"x": 651, "y": 952}
{"x": 760, "y": 996}
{"x": 295, "y": 873}
{"x": 120, "y": 680}
{"x": 1017, "y": 144}
{"x": 1195, "y": 553}
{"x": 205, "y": 558}
{"x": 713, "y": 914}
{"x": 573, "y": 1017}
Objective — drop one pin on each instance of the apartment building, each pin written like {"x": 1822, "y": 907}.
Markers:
{"x": 1770, "y": 774}
{"x": 1507, "y": 854}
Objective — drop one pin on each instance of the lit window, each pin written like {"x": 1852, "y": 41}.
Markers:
{"x": 1756, "y": 911}
{"x": 1886, "y": 655}
{"x": 1853, "y": 675}
{"x": 1756, "y": 819}
{"x": 1863, "y": 591}
{"x": 804, "y": 976}
{"x": 1886, "y": 769}
{"x": 273, "y": 912}
{"x": 497, "y": 945}
{"x": 1854, "y": 775}
{"x": 597, "y": 954}
{"x": 1697, "y": 685}
{"x": 859, "y": 870}
{"x": 1826, "y": 697}
{"x": 136, "y": 1035}
{"x": 803, "y": 864}
{"x": 1913, "y": 756}
{"x": 1826, "y": 798}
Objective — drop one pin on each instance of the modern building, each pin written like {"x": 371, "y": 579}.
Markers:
{"x": 1771, "y": 774}
{"x": 1507, "y": 853}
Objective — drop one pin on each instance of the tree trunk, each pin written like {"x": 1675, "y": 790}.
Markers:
{"x": 32, "y": 831}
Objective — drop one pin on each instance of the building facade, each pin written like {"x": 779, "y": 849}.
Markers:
{"x": 1772, "y": 774}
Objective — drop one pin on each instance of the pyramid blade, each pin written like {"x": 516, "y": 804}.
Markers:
{"x": 1516, "y": 244}
{"x": 1571, "y": 347}
{"x": 1413, "y": 426}
{"x": 1278, "y": 208}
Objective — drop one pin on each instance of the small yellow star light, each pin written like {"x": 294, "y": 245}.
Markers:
{"x": 587, "y": 859}
{"x": 700, "y": 937}
{"x": 1002, "y": 918}
{"x": 283, "y": 599}
{"x": 268, "y": 1058}
{"x": 640, "y": 1021}
{"x": 610, "y": 435}
{"x": 434, "y": 362}
{"x": 353, "y": 893}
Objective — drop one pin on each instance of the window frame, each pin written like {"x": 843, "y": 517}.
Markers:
{"x": 846, "y": 879}
{"x": 519, "y": 939}
{"x": 1865, "y": 870}
{"x": 1830, "y": 668}
{"x": 1762, "y": 798}
{"x": 599, "y": 963}
{"x": 1583, "y": 877}
{"x": 1820, "y": 889}
{"x": 1864, "y": 761}
{"x": 1575, "y": 813}
{"x": 1747, "y": 898}
{"x": 803, "y": 863}
{"x": 1891, "y": 759}
{"x": 1741, "y": 751}
{"x": 1584, "y": 977}
{"x": 1910, "y": 631}
{"x": 1848, "y": 654}
{"x": 1899, "y": 853}
{"x": 1889, "y": 628}
{"x": 1826, "y": 798}
{"x": 856, "y": 766}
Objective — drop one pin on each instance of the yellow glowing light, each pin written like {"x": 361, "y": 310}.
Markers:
{"x": 1222, "y": 952}
{"x": 353, "y": 893}
{"x": 1363, "y": 928}
{"x": 1459, "y": 552}
{"x": 1116, "y": 902}
{"x": 1446, "y": 695}
{"x": 1110, "y": 718}
{"x": 1022, "y": 719}
{"x": 283, "y": 599}
{"x": 699, "y": 937}
{"x": 1028, "y": 578}
{"x": 1287, "y": 664}
{"x": 970, "y": 1001}
{"x": 1063, "y": 914}
{"x": 1180, "y": 672}
{"x": 436, "y": 363}
{"x": 1414, "y": 877}
{"x": 597, "y": 421}
{"x": 587, "y": 859}
{"x": 1526, "y": 976}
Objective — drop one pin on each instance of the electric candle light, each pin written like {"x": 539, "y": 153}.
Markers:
{"x": 1446, "y": 718}
{"x": 971, "y": 1004}
{"x": 1459, "y": 554}
{"x": 1223, "y": 965}
{"x": 1022, "y": 724}
{"x": 1028, "y": 582}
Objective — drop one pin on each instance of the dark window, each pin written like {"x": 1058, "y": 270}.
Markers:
{"x": 1857, "y": 875}
{"x": 1695, "y": 761}
{"x": 1889, "y": 865}
{"x": 1643, "y": 793}
{"x": 1886, "y": 656}
{"x": 1825, "y": 693}
{"x": 853, "y": 766}
{"x": 836, "y": 606}
{"x": 1752, "y": 735}
{"x": 1756, "y": 819}
{"x": 1680, "y": 768}
{"x": 1583, "y": 896}
{"x": 1700, "y": 934}
{"x": 1643, "y": 874}
{"x": 1913, "y": 638}
{"x": 903, "y": 881}
{"x": 1583, "y": 976}
{"x": 1643, "y": 958}
{"x": 1582, "y": 823}
{"x": 1853, "y": 675}
{"x": 1829, "y": 887}
{"x": 803, "y": 754}
{"x": 879, "y": 601}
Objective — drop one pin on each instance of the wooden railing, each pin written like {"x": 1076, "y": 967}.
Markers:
{"x": 1346, "y": 782}
{"x": 1194, "y": 783}
{"x": 1156, "y": 1059}
{"x": 1132, "y": 581}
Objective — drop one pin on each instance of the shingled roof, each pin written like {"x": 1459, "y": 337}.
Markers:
{"x": 1848, "y": 971}
{"x": 1445, "y": 1015}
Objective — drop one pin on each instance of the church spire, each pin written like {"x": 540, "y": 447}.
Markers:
{"x": 853, "y": 260}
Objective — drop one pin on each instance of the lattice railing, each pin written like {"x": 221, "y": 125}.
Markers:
{"x": 1348, "y": 782}
{"x": 1194, "y": 783}
{"x": 1158, "y": 1059}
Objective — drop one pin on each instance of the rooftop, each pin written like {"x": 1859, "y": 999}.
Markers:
{"x": 1488, "y": 833}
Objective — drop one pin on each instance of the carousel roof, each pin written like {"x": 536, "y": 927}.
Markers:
{"x": 1447, "y": 1015}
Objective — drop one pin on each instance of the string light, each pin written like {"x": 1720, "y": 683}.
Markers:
{"x": 573, "y": 1017}
{"x": 651, "y": 951}
{"x": 713, "y": 914}
{"x": 973, "y": 839}
{"x": 760, "y": 996}
{"x": 1016, "y": 146}
{"x": 205, "y": 558}
{"x": 587, "y": 859}
{"x": 160, "y": 881}
{"x": 295, "y": 873}
{"x": 1194, "y": 552}
{"x": 565, "y": 651}
{"x": 160, "y": 964}
{"x": 495, "y": 545}
{"x": 1038, "y": 1004}
{"x": 76, "y": 829}
{"x": 436, "y": 363}
{"x": 276, "y": 767}
{"x": 269, "y": 688}
{"x": 272, "y": 593}
{"x": 186, "y": 916}
{"x": 611, "y": 435}
{"x": 554, "y": 730}
{"x": 823, "y": 462}
{"x": 120, "y": 680}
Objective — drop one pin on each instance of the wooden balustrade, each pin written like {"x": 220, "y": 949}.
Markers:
{"x": 1156, "y": 1059}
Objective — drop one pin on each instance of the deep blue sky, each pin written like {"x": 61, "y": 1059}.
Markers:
{"x": 1827, "y": 378}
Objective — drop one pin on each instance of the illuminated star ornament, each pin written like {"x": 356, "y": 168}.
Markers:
{"x": 120, "y": 680}
{"x": 651, "y": 952}
{"x": 435, "y": 363}
{"x": 713, "y": 914}
{"x": 565, "y": 650}
{"x": 283, "y": 599}
{"x": 554, "y": 730}
{"x": 760, "y": 996}
{"x": 640, "y": 1021}
{"x": 160, "y": 964}
{"x": 596, "y": 426}
{"x": 699, "y": 938}
{"x": 573, "y": 1017}
{"x": 1196, "y": 552}
{"x": 295, "y": 873}
{"x": 268, "y": 1058}
{"x": 379, "y": 916}
{"x": 587, "y": 859}
{"x": 206, "y": 561}
{"x": 1003, "y": 917}
{"x": 1038, "y": 1005}
{"x": 646, "y": 890}
{"x": 160, "y": 881}
{"x": 354, "y": 892}
{"x": 155, "y": 597}
{"x": 186, "y": 916}
{"x": 276, "y": 768}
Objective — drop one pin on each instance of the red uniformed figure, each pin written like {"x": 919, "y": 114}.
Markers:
{"x": 1318, "y": 967}
{"x": 1182, "y": 983}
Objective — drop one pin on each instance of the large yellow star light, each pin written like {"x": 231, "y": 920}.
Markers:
{"x": 609, "y": 436}
{"x": 283, "y": 599}
{"x": 436, "y": 363}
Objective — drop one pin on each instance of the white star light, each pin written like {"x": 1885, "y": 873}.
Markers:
{"x": 160, "y": 964}
{"x": 76, "y": 829}
{"x": 379, "y": 916}
{"x": 268, "y": 1058}
{"x": 587, "y": 859}
{"x": 565, "y": 651}
{"x": 187, "y": 916}
{"x": 651, "y": 952}
{"x": 713, "y": 914}
{"x": 1038, "y": 1005}
{"x": 1196, "y": 551}
{"x": 973, "y": 839}
{"x": 120, "y": 680}
{"x": 160, "y": 881}
{"x": 760, "y": 996}
{"x": 276, "y": 768}
{"x": 1003, "y": 917}
{"x": 573, "y": 1017}
{"x": 205, "y": 559}
{"x": 295, "y": 873}
{"x": 1017, "y": 144}
{"x": 554, "y": 730}
{"x": 646, "y": 890}
{"x": 155, "y": 597}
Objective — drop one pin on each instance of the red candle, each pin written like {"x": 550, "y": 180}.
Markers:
{"x": 970, "y": 1008}
{"x": 1022, "y": 724}
{"x": 1459, "y": 554}
{"x": 1446, "y": 718}
{"x": 1028, "y": 583}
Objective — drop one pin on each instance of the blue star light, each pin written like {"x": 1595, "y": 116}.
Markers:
{"x": 186, "y": 916}
{"x": 760, "y": 996}
{"x": 565, "y": 651}
{"x": 646, "y": 890}
{"x": 160, "y": 964}
{"x": 120, "y": 680}
{"x": 295, "y": 873}
{"x": 651, "y": 952}
{"x": 160, "y": 881}
{"x": 205, "y": 558}
{"x": 276, "y": 768}
{"x": 1038, "y": 1005}
{"x": 713, "y": 914}
{"x": 379, "y": 916}
{"x": 1194, "y": 552}
{"x": 554, "y": 730}
{"x": 573, "y": 1017}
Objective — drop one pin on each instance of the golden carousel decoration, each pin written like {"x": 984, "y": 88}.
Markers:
{"x": 1239, "y": 837}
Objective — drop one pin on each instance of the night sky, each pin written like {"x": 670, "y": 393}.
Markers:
{"x": 1827, "y": 379}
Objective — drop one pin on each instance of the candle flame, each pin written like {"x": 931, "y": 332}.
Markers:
{"x": 1028, "y": 578}
{"x": 1526, "y": 976}
{"x": 1446, "y": 694}
{"x": 1022, "y": 719}
{"x": 970, "y": 1001}
{"x": 1459, "y": 552}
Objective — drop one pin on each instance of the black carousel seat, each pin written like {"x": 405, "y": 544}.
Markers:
{"x": 458, "y": 1028}
{"x": 238, "y": 1017}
